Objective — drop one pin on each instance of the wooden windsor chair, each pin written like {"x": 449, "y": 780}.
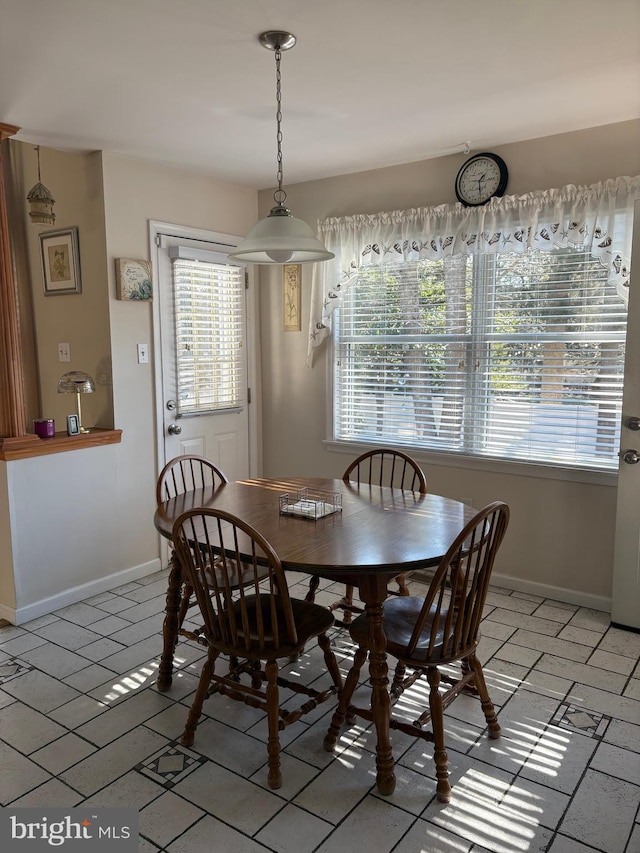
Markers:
{"x": 427, "y": 635}
{"x": 261, "y": 624}
{"x": 183, "y": 474}
{"x": 381, "y": 466}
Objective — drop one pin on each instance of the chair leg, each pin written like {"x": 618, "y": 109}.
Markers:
{"x": 273, "y": 744}
{"x": 187, "y": 591}
{"x": 485, "y": 700}
{"x": 470, "y": 686}
{"x": 337, "y": 721}
{"x": 398, "y": 678}
{"x": 313, "y": 588}
{"x": 348, "y": 600}
{"x": 330, "y": 661}
{"x": 201, "y": 694}
{"x": 256, "y": 675}
{"x": 443, "y": 788}
{"x": 344, "y": 604}
{"x": 170, "y": 625}
{"x": 401, "y": 580}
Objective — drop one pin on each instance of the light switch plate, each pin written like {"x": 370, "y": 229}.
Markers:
{"x": 143, "y": 353}
{"x": 64, "y": 352}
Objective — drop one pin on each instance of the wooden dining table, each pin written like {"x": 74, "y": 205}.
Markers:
{"x": 379, "y": 533}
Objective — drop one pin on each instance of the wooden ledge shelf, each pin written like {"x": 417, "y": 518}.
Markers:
{"x": 27, "y": 446}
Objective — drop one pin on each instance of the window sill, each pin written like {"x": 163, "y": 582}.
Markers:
{"x": 494, "y": 466}
{"x": 28, "y": 446}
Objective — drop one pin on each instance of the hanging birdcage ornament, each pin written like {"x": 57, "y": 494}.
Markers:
{"x": 41, "y": 201}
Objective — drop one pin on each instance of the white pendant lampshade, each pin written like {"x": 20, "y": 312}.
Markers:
{"x": 280, "y": 238}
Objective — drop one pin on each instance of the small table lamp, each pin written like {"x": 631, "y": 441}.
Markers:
{"x": 76, "y": 382}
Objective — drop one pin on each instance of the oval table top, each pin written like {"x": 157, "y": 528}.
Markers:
{"x": 379, "y": 529}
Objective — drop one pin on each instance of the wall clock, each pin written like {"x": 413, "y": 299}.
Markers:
{"x": 482, "y": 177}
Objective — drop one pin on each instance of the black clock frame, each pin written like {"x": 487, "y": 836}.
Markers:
{"x": 504, "y": 178}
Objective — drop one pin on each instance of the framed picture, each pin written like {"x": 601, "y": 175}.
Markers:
{"x": 291, "y": 281}
{"x": 73, "y": 426}
{"x": 60, "y": 262}
{"x": 133, "y": 280}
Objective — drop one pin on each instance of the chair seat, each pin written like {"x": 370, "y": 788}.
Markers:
{"x": 400, "y": 616}
{"x": 238, "y": 574}
{"x": 311, "y": 620}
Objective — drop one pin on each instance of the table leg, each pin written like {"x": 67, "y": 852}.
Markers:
{"x": 373, "y": 595}
{"x": 170, "y": 625}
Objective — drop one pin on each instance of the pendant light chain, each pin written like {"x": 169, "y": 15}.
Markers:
{"x": 38, "y": 156}
{"x": 280, "y": 238}
{"x": 279, "y": 195}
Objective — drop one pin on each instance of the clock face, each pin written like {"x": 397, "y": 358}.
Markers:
{"x": 480, "y": 178}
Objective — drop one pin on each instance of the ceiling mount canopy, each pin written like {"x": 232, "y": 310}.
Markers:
{"x": 280, "y": 238}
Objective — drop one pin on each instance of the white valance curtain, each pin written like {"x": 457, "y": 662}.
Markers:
{"x": 570, "y": 217}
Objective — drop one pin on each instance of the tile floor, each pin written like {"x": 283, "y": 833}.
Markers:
{"x": 81, "y": 722}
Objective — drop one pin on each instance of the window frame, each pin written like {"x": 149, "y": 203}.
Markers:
{"x": 452, "y": 458}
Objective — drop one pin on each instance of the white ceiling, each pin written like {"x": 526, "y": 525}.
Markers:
{"x": 370, "y": 83}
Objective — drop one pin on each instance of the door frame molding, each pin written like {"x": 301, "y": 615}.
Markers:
{"x": 157, "y": 228}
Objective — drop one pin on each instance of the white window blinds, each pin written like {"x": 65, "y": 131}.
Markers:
{"x": 209, "y": 306}
{"x": 516, "y": 356}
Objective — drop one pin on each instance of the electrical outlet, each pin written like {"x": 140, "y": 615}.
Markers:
{"x": 143, "y": 353}
{"x": 64, "y": 352}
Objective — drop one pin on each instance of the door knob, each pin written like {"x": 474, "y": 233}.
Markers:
{"x": 631, "y": 457}
{"x": 176, "y": 429}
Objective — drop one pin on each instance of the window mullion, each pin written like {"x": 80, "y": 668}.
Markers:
{"x": 479, "y": 392}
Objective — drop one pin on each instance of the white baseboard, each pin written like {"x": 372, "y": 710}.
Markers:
{"x": 556, "y": 593}
{"x": 20, "y": 615}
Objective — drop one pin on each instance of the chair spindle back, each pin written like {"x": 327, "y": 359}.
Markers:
{"x": 387, "y": 467}
{"x": 259, "y": 615}
{"x": 455, "y": 600}
{"x": 185, "y": 473}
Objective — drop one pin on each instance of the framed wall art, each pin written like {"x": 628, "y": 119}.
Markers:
{"x": 291, "y": 281}
{"x": 133, "y": 280}
{"x": 60, "y": 262}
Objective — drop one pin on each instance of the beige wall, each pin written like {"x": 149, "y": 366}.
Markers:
{"x": 561, "y": 532}
{"x": 134, "y": 193}
{"x": 107, "y": 493}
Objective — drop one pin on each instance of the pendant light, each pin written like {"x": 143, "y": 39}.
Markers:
{"x": 280, "y": 238}
{"x": 41, "y": 201}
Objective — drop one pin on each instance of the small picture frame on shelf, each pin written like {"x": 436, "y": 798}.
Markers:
{"x": 60, "y": 262}
{"x": 73, "y": 426}
{"x": 133, "y": 280}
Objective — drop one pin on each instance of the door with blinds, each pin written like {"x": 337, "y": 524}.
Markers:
{"x": 625, "y": 598}
{"x": 203, "y": 353}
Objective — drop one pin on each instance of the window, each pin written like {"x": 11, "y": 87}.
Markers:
{"x": 510, "y": 356}
{"x": 209, "y": 305}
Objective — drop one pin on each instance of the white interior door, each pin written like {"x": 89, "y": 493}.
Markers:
{"x": 203, "y": 404}
{"x": 626, "y": 568}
